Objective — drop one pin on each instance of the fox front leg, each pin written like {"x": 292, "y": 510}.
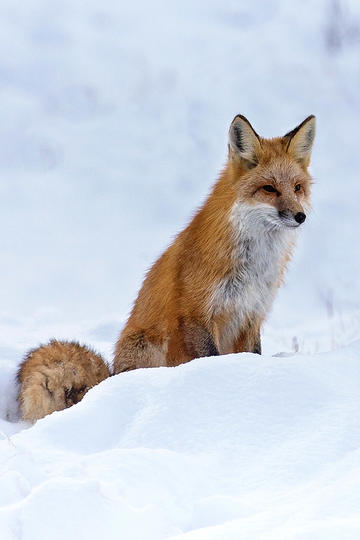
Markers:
{"x": 198, "y": 341}
{"x": 248, "y": 341}
{"x": 257, "y": 344}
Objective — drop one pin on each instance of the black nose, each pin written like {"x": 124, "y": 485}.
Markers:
{"x": 300, "y": 217}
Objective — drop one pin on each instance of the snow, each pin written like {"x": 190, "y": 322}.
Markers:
{"x": 114, "y": 125}
{"x": 239, "y": 446}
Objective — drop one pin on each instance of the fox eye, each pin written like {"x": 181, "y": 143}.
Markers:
{"x": 269, "y": 188}
{"x": 297, "y": 187}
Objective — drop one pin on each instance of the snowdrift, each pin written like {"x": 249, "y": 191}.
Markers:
{"x": 237, "y": 446}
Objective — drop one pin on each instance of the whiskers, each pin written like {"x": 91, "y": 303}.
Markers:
{"x": 257, "y": 221}
{"x": 273, "y": 224}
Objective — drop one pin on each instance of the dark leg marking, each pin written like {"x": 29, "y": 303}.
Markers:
{"x": 257, "y": 346}
{"x": 198, "y": 341}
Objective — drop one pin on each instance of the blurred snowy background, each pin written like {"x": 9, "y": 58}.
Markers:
{"x": 114, "y": 126}
{"x": 114, "y": 120}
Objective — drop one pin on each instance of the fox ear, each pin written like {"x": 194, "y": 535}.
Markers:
{"x": 244, "y": 142}
{"x": 300, "y": 140}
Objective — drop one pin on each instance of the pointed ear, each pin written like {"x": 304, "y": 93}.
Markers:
{"x": 300, "y": 140}
{"x": 244, "y": 142}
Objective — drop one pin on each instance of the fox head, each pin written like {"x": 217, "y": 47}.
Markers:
{"x": 270, "y": 176}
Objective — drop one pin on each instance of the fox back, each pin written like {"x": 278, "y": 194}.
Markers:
{"x": 211, "y": 290}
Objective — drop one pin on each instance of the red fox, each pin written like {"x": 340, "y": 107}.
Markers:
{"x": 210, "y": 291}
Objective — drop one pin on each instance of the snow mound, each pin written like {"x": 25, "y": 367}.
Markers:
{"x": 238, "y": 446}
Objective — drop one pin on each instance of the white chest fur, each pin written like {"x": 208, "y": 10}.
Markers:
{"x": 261, "y": 244}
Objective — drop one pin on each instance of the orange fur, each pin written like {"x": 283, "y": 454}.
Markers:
{"x": 211, "y": 289}
{"x": 55, "y": 376}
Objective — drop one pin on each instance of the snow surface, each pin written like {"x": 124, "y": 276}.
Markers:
{"x": 237, "y": 446}
{"x": 114, "y": 125}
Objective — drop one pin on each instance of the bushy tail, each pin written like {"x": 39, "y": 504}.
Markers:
{"x": 53, "y": 377}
